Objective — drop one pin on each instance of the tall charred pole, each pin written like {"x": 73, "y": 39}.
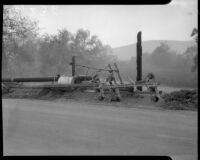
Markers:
{"x": 73, "y": 66}
{"x": 139, "y": 59}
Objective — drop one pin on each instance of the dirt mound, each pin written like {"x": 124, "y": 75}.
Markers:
{"x": 180, "y": 100}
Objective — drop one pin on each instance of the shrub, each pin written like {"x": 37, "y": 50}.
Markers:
{"x": 183, "y": 99}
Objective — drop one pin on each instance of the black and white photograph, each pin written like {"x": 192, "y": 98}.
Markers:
{"x": 100, "y": 80}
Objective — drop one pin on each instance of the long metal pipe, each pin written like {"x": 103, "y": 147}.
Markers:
{"x": 35, "y": 79}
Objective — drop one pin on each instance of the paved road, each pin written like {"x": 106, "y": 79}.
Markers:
{"x": 33, "y": 127}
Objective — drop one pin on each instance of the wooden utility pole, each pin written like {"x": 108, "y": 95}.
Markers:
{"x": 73, "y": 64}
{"x": 139, "y": 59}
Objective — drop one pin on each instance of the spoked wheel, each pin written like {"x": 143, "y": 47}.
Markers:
{"x": 101, "y": 98}
{"x": 154, "y": 99}
{"x": 116, "y": 99}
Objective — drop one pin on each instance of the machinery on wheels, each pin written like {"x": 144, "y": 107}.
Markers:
{"x": 108, "y": 85}
{"x": 93, "y": 82}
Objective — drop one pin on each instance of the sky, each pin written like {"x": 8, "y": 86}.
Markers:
{"x": 118, "y": 25}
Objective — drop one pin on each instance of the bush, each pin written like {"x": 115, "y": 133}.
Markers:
{"x": 183, "y": 99}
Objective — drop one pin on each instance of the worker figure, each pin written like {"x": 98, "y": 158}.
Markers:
{"x": 150, "y": 78}
{"x": 96, "y": 79}
{"x": 110, "y": 79}
{"x": 57, "y": 77}
{"x": 115, "y": 95}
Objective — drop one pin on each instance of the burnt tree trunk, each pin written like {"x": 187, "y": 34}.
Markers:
{"x": 73, "y": 66}
{"x": 139, "y": 59}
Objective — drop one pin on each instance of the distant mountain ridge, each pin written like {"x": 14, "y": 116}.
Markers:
{"x": 126, "y": 52}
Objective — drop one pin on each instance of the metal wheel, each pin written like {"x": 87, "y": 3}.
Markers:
{"x": 154, "y": 99}
{"x": 101, "y": 98}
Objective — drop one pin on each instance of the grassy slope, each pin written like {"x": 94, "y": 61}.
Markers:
{"x": 126, "y": 52}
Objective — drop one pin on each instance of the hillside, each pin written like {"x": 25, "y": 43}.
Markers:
{"x": 126, "y": 52}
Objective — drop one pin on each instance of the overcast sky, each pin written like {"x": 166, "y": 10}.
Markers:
{"x": 117, "y": 25}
